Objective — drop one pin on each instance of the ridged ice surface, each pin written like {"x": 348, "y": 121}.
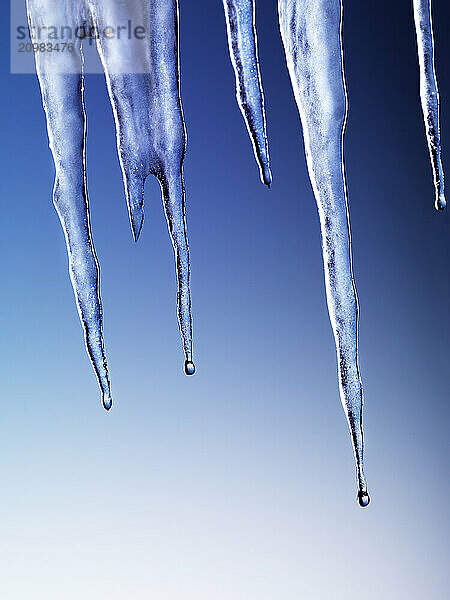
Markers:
{"x": 311, "y": 33}
{"x": 429, "y": 94}
{"x": 143, "y": 83}
{"x": 243, "y": 47}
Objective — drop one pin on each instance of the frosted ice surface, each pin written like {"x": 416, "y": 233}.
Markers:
{"x": 142, "y": 74}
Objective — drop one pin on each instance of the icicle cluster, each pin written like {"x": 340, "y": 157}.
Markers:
{"x": 144, "y": 88}
{"x": 311, "y": 31}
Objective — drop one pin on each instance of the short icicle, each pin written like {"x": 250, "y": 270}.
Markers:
{"x": 243, "y": 47}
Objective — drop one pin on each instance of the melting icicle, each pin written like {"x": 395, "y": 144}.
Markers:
{"x": 151, "y": 132}
{"x": 144, "y": 87}
{"x": 312, "y": 36}
{"x": 243, "y": 46}
{"x": 429, "y": 93}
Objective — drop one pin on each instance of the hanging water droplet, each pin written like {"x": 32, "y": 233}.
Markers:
{"x": 189, "y": 367}
{"x": 363, "y": 499}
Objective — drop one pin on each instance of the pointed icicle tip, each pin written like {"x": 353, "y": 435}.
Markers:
{"x": 189, "y": 367}
{"x": 107, "y": 401}
{"x": 363, "y": 499}
{"x": 441, "y": 202}
{"x": 266, "y": 175}
{"x": 137, "y": 220}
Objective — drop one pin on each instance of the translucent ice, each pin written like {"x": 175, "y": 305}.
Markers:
{"x": 142, "y": 74}
{"x": 243, "y": 47}
{"x": 312, "y": 36}
{"x": 429, "y": 94}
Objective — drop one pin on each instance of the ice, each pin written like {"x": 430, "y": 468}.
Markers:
{"x": 144, "y": 87}
{"x": 429, "y": 93}
{"x": 312, "y": 36}
{"x": 311, "y": 31}
{"x": 243, "y": 47}
{"x": 142, "y": 76}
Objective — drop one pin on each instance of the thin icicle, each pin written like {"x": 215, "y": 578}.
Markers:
{"x": 312, "y": 38}
{"x": 243, "y": 47}
{"x": 144, "y": 88}
{"x": 429, "y": 93}
{"x": 62, "y": 89}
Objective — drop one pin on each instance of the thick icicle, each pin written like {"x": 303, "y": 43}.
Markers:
{"x": 61, "y": 82}
{"x": 312, "y": 38}
{"x": 429, "y": 94}
{"x": 142, "y": 73}
{"x": 243, "y": 46}
{"x": 144, "y": 87}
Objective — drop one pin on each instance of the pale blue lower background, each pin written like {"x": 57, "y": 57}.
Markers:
{"x": 238, "y": 483}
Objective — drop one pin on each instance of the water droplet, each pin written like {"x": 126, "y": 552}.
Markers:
{"x": 189, "y": 367}
{"x": 363, "y": 499}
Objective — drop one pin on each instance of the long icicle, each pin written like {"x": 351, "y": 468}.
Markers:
{"x": 243, "y": 47}
{"x": 312, "y": 36}
{"x": 143, "y": 78}
{"x": 429, "y": 93}
{"x": 62, "y": 87}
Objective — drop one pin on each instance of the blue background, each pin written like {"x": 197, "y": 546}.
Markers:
{"x": 237, "y": 483}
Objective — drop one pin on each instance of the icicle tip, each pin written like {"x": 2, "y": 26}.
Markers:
{"x": 136, "y": 219}
{"x": 266, "y": 175}
{"x": 107, "y": 401}
{"x": 441, "y": 202}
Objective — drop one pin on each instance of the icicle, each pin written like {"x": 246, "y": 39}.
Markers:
{"x": 243, "y": 46}
{"x": 144, "y": 87}
{"x": 312, "y": 36}
{"x": 62, "y": 94}
{"x": 429, "y": 93}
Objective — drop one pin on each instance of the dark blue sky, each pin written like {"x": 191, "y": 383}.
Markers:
{"x": 239, "y": 482}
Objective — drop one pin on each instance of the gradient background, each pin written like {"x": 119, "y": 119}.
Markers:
{"x": 238, "y": 483}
